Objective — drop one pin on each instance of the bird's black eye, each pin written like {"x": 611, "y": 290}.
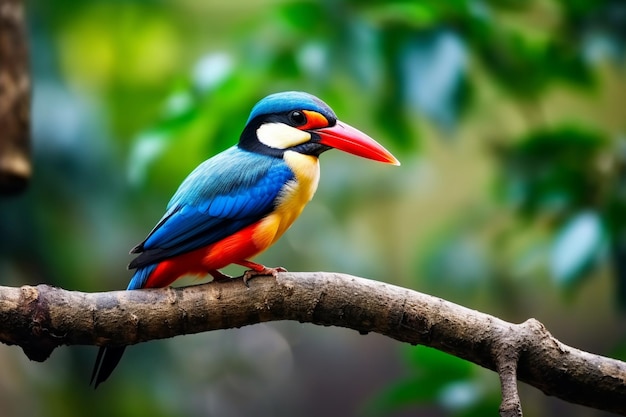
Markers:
{"x": 297, "y": 118}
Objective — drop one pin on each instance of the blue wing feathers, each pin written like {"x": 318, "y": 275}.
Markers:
{"x": 223, "y": 195}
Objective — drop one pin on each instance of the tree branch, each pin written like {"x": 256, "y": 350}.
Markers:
{"x": 41, "y": 318}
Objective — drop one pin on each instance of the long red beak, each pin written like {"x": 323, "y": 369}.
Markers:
{"x": 348, "y": 139}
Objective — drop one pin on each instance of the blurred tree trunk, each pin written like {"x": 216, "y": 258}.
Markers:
{"x": 15, "y": 167}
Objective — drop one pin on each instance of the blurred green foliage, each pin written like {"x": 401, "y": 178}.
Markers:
{"x": 508, "y": 116}
{"x": 440, "y": 379}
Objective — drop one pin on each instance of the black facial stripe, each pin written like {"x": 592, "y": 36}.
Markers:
{"x": 250, "y": 142}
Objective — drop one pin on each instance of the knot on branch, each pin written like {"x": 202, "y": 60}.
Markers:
{"x": 34, "y": 313}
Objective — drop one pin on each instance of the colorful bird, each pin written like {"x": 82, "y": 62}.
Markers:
{"x": 236, "y": 204}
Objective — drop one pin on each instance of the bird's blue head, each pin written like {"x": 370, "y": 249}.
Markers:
{"x": 290, "y": 100}
{"x": 302, "y": 123}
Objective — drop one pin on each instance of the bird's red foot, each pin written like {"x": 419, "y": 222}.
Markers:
{"x": 264, "y": 271}
{"x": 258, "y": 270}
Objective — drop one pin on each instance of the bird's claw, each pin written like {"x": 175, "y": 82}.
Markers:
{"x": 251, "y": 273}
{"x": 219, "y": 276}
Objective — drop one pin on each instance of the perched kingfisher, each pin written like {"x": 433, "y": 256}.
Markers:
{"x": 239, "y": 202}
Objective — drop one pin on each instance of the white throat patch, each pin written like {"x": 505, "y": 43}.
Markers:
{"x": 281, "y": 136}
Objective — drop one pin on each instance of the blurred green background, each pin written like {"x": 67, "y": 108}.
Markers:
{"x": 508, "y": 117}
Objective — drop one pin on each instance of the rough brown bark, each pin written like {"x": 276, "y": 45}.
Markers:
{"x": 40, "y": 318}
{"x": 15, "y": 167}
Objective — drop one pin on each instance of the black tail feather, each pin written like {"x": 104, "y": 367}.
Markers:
{"x": 106, "y": 361}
